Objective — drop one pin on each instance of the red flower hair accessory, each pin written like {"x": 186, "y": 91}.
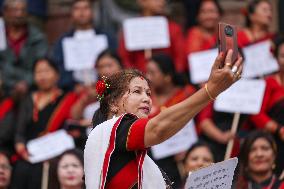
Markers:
{"x": 101, "y": 87}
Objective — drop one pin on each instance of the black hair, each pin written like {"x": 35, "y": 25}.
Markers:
{"x": 247, "y": 144}
{"x": 251, "y": 9}
{"x": 53, "y": 182}
{"x": 49, "y": 61}
{"x": 112, "y": 54}
{"x": 198, "y": 145}
{"x": 167, "y": 67}
{"x": 278, "y": 42}
{"x": 76, "y": 1}
{"x": 199, "y": 5}
{"x": 118, "y": 85}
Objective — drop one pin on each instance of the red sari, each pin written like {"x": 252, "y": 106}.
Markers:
{"x": 244, "y": 39}
{"x": 137, "y": 60}
{"x": 197, "y": 40}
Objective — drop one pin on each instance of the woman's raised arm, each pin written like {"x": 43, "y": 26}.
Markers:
{"x": 174, "y": 118}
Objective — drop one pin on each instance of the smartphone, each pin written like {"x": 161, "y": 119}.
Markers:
{"x": 227, "y": 39}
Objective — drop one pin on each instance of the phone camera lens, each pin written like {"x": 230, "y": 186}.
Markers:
{"x": 229, "y": 31}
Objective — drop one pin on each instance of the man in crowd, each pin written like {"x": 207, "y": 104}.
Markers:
{"x": 82, "y": 18}
{"x": 25, "y": 44}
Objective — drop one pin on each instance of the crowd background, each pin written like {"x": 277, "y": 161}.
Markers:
{"x": 39, "y": 96}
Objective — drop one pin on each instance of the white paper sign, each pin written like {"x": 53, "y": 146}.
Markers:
{"x": 81, "y": 53}
{"x": 49, "y": 146}
{"x": 217, "y": 176}
{"x": 259, "y": 60}
{"x": 200, "y": 64}
{"x": 146, "y": 33}
{"x": 180, "y": 142}
{"x": 3, "y": 43}
{"x": 245, "y": 96}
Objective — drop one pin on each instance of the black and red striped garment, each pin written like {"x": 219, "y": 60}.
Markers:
{"x": 123, "y": 166}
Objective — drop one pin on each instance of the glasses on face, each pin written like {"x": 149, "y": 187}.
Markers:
{"x": 5, "y": 167}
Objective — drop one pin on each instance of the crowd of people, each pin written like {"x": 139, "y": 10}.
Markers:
{"x": 39, "y": 95}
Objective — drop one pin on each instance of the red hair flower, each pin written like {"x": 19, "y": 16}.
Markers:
{"x": 101, "y": 87}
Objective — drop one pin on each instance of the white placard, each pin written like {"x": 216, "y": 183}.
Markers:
{"x": 217, "y": 176}
{"x": 81, "y": 53}
{"x": 180, "y": 142}
{"x": 49, "y": 146}
{"x": 146, "y": 33}
{"x": 245, "y": 96}
{"x": 3, "y": 43}
{"x": 259, "y": 60}
{"x": 200, "y": 64}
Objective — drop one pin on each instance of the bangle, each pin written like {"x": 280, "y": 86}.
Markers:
{"x": 208, "y": 93}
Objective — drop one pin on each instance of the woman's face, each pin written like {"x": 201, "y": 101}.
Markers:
{"x": 208, "y": 16}
{"x": 5, "y": 172}
{"x": 45, "y": 76}
{"x": 262, "y": 14}
{"x": 136, "y": 100}
{"x": 280, "y": 57}
{"x": 70, "y": 171}
{"x": 155, "y": 75}
{"x": 261, "y": 156}
{"x": 199, "y": 157}
{"x": 107, "y": 66}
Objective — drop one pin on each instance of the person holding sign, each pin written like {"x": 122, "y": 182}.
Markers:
{"x": 138, "y": 59}
{"x": 258, "y": 20}
{"x": 257, "y": 159}
{"x": 42, "y": 112}
{"x": 82, "y": 19}
{"x": 168, "y": 89}
{"x": 115, "y": 152}
{"x": 271, "y": 116}
{"x": 203, "y": 36}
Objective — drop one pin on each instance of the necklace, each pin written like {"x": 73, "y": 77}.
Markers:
{"x": 268, "y": 187}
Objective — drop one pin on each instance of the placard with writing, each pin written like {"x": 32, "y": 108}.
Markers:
{"x": 3, "y": 43}
{"x": 81, "y": 53}
{"x": 259, "y": 60}
{"x": 245, "y": 96}
{"x": 146, "y": 33}
{"x": 180, "y": 142}
{"x": 217, "y": 176}
{"x": 49, "y": 146}
{"x": 200, "y": 64}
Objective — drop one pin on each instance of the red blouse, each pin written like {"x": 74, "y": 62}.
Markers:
{"x": 136, "y": 59}
{"x": 197, "y": 41}
{"x": 273, "y": 93}
{"x": 244, "y": 40}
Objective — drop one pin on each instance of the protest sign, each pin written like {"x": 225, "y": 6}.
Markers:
{"x": 3, "y": 43}
{"x": 180, "y": 142}
{"x": 146, "y": 33}
{"x": 245, "y": 96}
{"x": 49, "y": 146}
{"x": 218, "y": 175}
{"x": 200, "y": 64}
{"x": 81, "y": 53}
{"x": 259, "y": 60}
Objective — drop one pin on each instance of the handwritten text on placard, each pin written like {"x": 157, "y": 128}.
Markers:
{"x": 146, "y": 33}
{"x": 216, "y": 176}
{"x": 245, "y": 96}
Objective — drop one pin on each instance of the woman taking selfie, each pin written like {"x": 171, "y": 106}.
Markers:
{"x": 115, "y": 152}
